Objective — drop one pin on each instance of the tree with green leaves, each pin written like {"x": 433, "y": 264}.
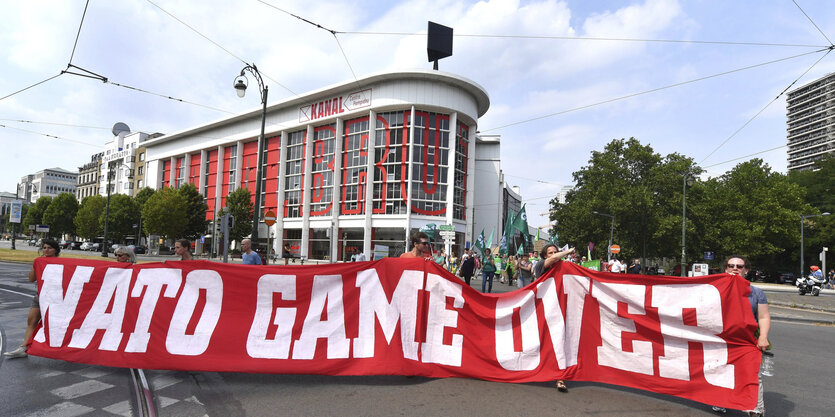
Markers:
{"x": 239, "y": 204}
{"x": 60, "y": 214}
{"x": 36, "y": 211}
{"x": 124, "y": 213}
{"x": 164, "y": 213}
{"x": 819, "y": 232}
{"x": 195, "y": 212}
{"x": 140, "y": 198}
{"x": 87, "y": 223}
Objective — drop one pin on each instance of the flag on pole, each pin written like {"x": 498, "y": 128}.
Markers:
{"x": 490, "y": 241}
{"x": 507, "y": 236}
{"x": 479, "y": 244}
{"x": 430, "y": 230}
{"x": 520, "y": 223}
{"x": 555, "y": 239}
{"x": 521, "y": 250}
{"x": 591, "y": 248}
{"x": 537, "y": 235}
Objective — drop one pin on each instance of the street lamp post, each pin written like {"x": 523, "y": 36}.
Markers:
{"x": 611, "y": 233}
{"x": 240, "y": 86}
{"x": 686, "y": 180}
{"x": 107, "y": 209}
{"x": 804, "y": 217}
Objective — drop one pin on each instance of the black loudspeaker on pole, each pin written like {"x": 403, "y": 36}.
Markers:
{"x": 438, "y": 42}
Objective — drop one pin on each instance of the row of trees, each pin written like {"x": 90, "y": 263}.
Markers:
{"x": 167, "y": 212}
{"x": 749, "y": 210}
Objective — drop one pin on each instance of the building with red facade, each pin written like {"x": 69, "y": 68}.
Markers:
{"x": 353, "y": 167}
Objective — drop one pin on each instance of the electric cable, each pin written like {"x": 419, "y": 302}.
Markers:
{"x": 78, "y": 35}
{"x": 33, "y": 85}
{"x": 52, "y": 136}
{"x": 813, "y": 22}
{"x": 218, "y": 45}
{"x": 652, "y": 90}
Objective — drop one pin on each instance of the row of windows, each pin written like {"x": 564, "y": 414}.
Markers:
{"x": 392, "y": 149}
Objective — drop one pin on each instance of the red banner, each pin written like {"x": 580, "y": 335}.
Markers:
{"x": 692, "y": 338}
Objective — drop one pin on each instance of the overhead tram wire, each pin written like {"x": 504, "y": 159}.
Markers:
{"x": 653, "y": 90}
{"x": 331, "y": 31}
{"x": 56, "y": 124}
{"x": 33, "y": 85}
{"x": 745, "y": 157}
{"x": 78, "y": 34}
{"x": 219, "y": 46}
{"x": 828, "y": 50}
{"x": 53, "y": 136}
{"x": 581, "y": 38}
{"x": 813, "y": 22}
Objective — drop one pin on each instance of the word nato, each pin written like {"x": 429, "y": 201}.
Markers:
{"x": 374, "y": 307}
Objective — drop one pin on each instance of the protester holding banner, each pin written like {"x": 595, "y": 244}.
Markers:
{"x": 420, "y": 246}
{"x": 738, "y": 265}
{"x": 182, "y": 248}
{"x": 49, "y": 249}
{"x": 550, "y": 256}
{"x": 524, "y": 266}
{"x": 125, "y": 254}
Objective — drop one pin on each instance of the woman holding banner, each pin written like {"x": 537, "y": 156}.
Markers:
{"x": 49, "y": 249}
{"x": 550, "y": 255}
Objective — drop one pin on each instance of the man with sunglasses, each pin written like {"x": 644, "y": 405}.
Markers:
{"x": 738, "y": 265}
{"x": 420, "y": 246}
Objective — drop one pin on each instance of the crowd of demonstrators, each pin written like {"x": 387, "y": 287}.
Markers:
{"x": 49, "y": 248}
{"x": 248, "y": 256}
{"x": 738, "y": 265}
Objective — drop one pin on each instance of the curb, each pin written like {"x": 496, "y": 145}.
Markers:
{"x": 805, "y": 307}
{"x": 803, "y": 320}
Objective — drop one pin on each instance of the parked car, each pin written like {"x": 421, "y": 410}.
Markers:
{"x": 140, "y": 249}
{"x": 785, "y": 278}
{"x": 90, "y": 246}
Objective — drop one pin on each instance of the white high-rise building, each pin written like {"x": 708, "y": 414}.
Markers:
{"x": 811, "y": 122}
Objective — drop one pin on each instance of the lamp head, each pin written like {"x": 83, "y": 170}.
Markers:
{"x": 240, "y": 86}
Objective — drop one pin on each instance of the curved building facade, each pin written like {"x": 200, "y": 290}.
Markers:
{"x": 354, "y": 167}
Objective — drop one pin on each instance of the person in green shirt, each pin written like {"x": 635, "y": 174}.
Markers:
{"x": 488, "y": 271}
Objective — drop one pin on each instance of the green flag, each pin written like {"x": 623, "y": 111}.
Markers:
{"x": 520, "y": 223}
{"x": 537, "y": 235}
{"x": 489, "y": 243}
{"x": 521, "y": 250}
{"x": 507, "y": 235}
{"x": 479, "y": 243}
{"x": 429, "y": 229}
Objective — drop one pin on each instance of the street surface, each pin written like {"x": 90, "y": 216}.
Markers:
{"x": 44, "y": 387}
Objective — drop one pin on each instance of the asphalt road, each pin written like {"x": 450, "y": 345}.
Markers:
{"x": 44, "y": 387}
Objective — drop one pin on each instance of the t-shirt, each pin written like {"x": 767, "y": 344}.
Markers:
{"x": 756, "y": 297}
{"x": 615, "y": 265}
{"x": 408, "y": 255}
{"x": 251, "y": 258}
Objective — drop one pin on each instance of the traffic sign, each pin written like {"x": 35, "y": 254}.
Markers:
{"x": 615, "y": 249}
{"x": 269, "y": 218}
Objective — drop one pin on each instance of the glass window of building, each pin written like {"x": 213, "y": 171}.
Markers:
{"x": 459, "y": 199}
{"x": 354, "y": 164}
{"x": 391, "y": 156}
{"x": 321, "y": 195}
{"x": 429, "y": 163}
{"x": 391, "y": 240}
{"x": 294, "y": 174}
{"x": 320, "y": 244}
{"x": 350, "y": 242}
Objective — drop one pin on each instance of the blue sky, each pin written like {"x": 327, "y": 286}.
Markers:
{"x": 138, "y": 44}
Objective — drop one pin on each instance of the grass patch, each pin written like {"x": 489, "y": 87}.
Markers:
{"x": 27, "y": 256}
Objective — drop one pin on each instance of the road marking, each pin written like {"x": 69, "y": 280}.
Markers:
{"x": 80, "y": 389}
{"x": 64, "y": 409}
{"x": 120, "y": 409}
{"x": 18, "y": 293}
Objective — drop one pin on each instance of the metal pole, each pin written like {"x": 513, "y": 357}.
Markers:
{"x": 14, "y": 225}
{"x": 611, "y": 238}
{"x": 801, "y": 246}
{"x": 683, "y": 224}
{"x": 107, "y": 211}
{"x": 258, "y": 169}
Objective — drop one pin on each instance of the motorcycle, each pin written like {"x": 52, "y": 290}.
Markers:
{"x": 810, "y": 284}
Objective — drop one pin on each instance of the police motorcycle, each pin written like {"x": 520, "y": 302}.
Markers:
{"x": 810, "y": 283}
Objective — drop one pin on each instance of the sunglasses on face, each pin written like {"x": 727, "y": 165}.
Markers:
{"x": 737, "y": 266}
{"x": 423, "y": 243}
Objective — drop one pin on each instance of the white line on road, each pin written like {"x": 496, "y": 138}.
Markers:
{"x": 80, "y": 389}
{"x": 18, "y": 293}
